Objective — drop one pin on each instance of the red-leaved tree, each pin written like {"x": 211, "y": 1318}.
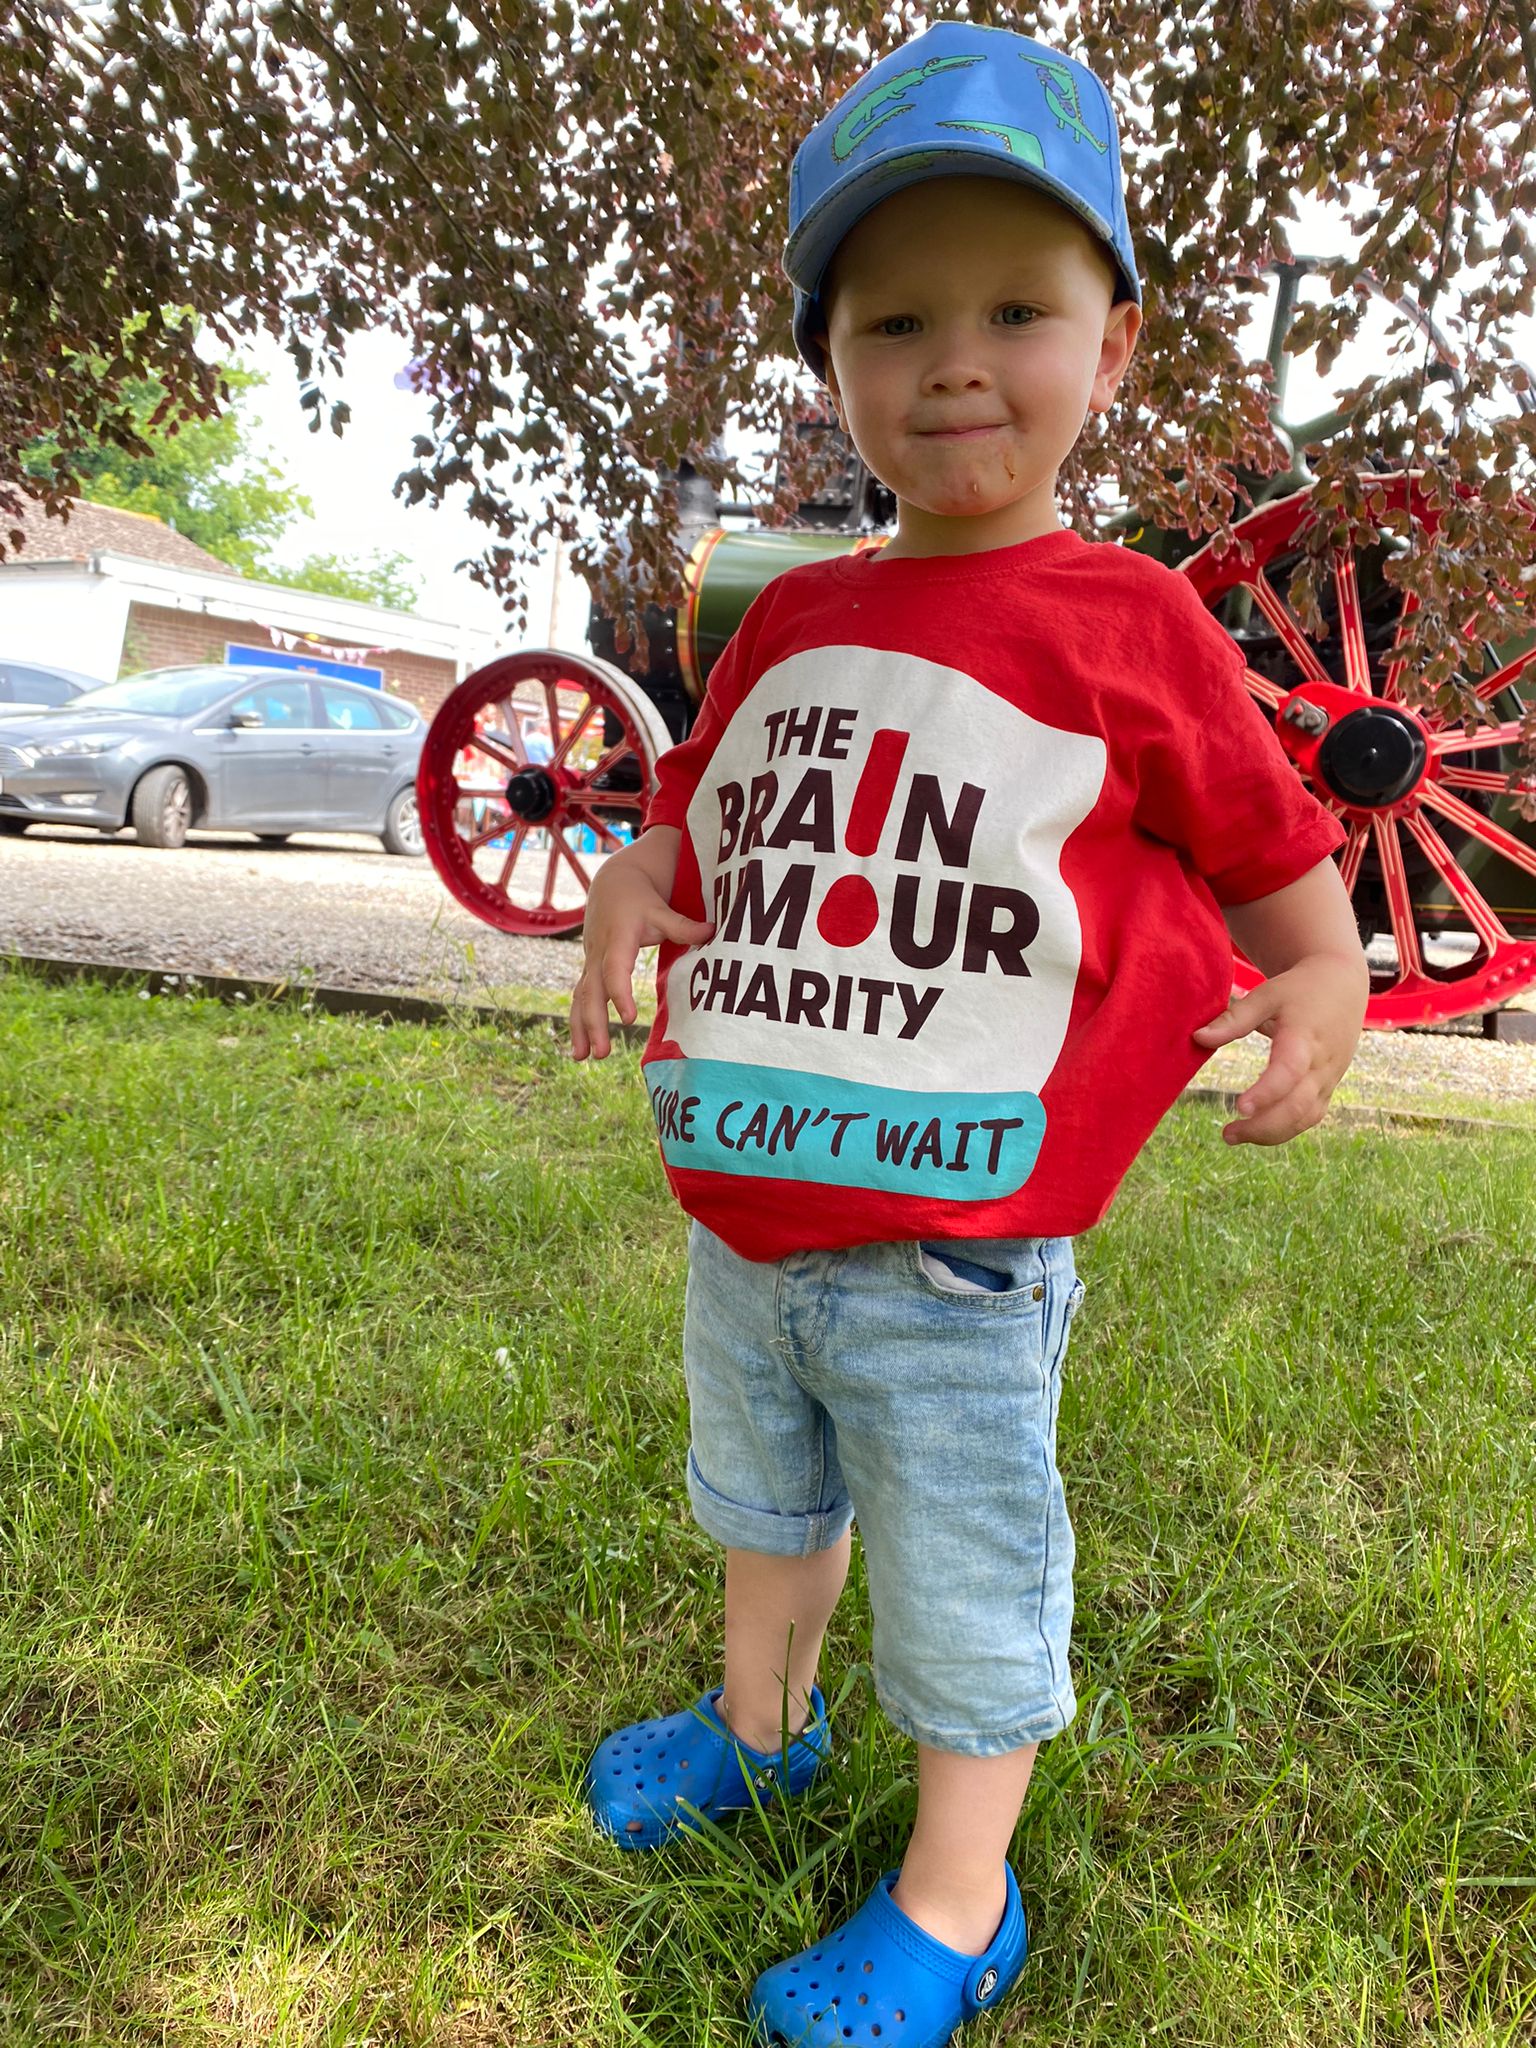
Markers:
{"x": 574, "y": 216}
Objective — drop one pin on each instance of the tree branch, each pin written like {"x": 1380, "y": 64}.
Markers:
{"x": 1522, "y": 14}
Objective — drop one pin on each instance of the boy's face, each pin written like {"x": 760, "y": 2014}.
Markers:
{"x": 970, "y": 334}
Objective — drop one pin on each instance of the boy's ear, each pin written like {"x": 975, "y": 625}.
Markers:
{"x": 1120, "y": 332}
{"x": 830, "y": 380}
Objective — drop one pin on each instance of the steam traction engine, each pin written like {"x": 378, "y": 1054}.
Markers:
{"x": 539, "y": 765}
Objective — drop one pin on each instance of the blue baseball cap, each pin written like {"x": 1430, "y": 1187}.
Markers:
{"x": 957, "y": 100}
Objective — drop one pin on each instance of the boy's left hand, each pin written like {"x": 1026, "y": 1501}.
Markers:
{"x": 1312, "y": 1013}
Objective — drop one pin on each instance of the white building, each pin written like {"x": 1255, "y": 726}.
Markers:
{"x": 108, "y": 592}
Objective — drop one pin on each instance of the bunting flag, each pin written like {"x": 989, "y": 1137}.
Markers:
{"x": 310, "y": 643}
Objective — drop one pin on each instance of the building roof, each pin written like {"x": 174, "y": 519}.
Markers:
{"x": 91, "y": 528}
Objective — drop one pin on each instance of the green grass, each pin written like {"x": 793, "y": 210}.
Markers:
{"x": 341, "y": 1425}
{"x": 541, "y": 1001}
{"x": 545, "y": 1002}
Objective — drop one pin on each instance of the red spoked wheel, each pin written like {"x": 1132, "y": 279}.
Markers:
{"x": 1444, "y": 890}
{"x": 536, "y": 768}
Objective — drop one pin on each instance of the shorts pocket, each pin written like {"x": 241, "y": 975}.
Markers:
{"x": 954, "y": 1275}
{"x": 996, "y": 1272}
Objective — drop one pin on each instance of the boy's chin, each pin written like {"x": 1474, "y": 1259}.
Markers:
{"x": 973, "y": 501}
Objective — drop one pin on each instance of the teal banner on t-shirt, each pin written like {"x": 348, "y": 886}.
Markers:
{"x": 770, "y": 1123}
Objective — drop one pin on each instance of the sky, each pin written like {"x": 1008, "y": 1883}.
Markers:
{"x": 349, "y": 479}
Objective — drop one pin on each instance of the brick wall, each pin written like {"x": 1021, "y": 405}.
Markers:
{"x": 158, "y": 637}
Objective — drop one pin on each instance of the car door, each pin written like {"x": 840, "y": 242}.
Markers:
{"x": 365, "y": 751}
{"x": 270, "y": 775}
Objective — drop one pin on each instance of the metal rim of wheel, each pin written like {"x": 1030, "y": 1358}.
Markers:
{"x": 1398, "y": 777}
{"x": 408, "y": 824}
{"x": 176, "y": 810}
{"x": 515, "y": 838}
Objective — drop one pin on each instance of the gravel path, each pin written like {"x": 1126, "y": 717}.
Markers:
{"x": 334, "y": 909}
{"x": 347, "y": 914}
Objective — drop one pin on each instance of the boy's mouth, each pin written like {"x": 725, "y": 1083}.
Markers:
{"x": 961, "y": 433}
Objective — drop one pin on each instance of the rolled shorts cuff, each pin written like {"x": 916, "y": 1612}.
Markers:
{"x": 762, "y": 1529}
{"x": 1038, "y": 1727}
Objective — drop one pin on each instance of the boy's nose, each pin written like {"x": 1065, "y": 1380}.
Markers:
{"x": 955, "y": 364}
{"x": 957, "y": 374}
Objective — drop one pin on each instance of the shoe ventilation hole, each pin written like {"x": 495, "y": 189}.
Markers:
{"x": 682, "y": 1763}
{"x": 863, "y": 1998}
{"x": 898, "y": 2014}
{"x": 875, "y": 2028}
{"x": 868, "y": 1967}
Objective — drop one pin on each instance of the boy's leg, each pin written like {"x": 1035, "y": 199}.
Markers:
{"x": 776, "y": 1613}
{"x": 952, "y": 1878}
{"x": 945, "y": 1412}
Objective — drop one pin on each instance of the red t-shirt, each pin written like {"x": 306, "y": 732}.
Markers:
{"x": 963, "y": 825}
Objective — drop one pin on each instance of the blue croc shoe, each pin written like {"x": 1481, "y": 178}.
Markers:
{"x": 881, "y": 1981}
{"x": 641, "y": 1780}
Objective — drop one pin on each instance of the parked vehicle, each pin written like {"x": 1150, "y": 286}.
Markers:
{"x": 269, "y": 751}
{"x": 41, "y": 686}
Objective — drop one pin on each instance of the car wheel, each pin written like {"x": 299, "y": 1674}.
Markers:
{"x": 14, "y": 826}
{"x": 162, "y": 807}
{"x": 274, "y": 838}
{"x": 402, "y": 824}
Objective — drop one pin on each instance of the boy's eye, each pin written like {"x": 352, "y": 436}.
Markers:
{"x": 1017, "y": 316}
{"x": 895, "y": 320}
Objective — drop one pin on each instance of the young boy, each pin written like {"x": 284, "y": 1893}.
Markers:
{"x": 945, "y": 882}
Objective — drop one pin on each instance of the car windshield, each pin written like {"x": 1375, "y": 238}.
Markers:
{"x": 162, "y": 692}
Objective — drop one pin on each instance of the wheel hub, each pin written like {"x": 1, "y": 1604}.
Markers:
{"x": 532, "y": 794}
{"x": 1367, "y": 753}
{"x": 1373, "y": 757}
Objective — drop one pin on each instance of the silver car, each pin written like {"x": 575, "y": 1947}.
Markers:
{"x": 40, "y": 685}
{"x": 269, "y": 751}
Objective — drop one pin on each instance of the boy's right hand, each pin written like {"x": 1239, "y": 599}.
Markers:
{"x": 627, "y": 908}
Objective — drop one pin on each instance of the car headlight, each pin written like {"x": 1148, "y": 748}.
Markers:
{"x": 77, "y": 750}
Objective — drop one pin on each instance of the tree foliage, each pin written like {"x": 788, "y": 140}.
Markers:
{"x": 574, "y": 216}
{"x": 384, "y": 577}
{"x": 199, "y": 476}
{"x": 203, "y": 478}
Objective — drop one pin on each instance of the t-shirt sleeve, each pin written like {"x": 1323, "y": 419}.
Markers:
{"x": 680, "y": 768}
{"x": 1215, "y": 782}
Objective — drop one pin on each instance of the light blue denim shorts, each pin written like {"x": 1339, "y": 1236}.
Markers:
{"x": 874, "y": 1383}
